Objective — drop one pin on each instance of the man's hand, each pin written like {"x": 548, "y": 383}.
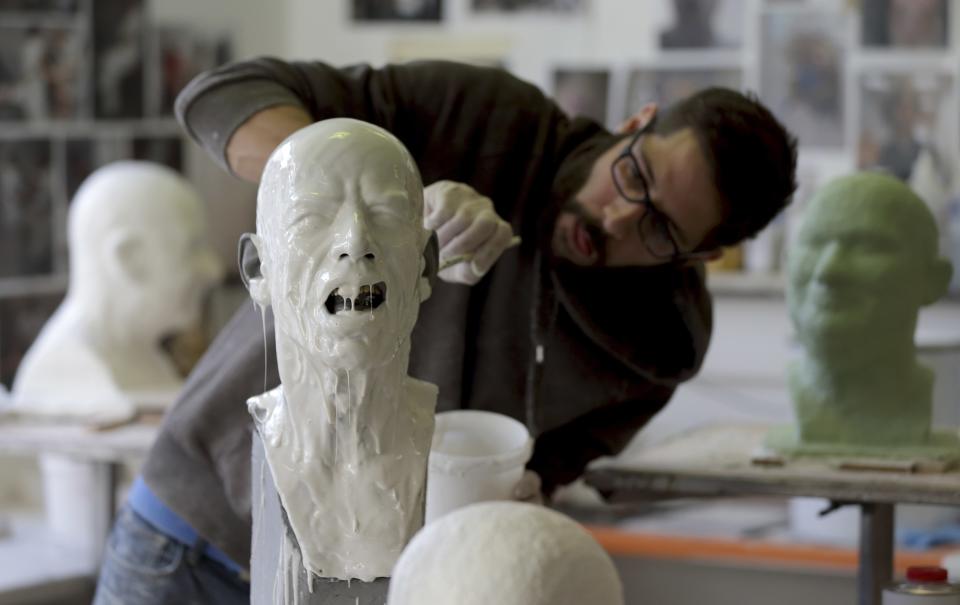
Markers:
{"x": 528, "y": 488}
{"x": 466, "y": 223}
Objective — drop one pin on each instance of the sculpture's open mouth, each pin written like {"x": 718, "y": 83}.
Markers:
{"x": 353, "y": 298}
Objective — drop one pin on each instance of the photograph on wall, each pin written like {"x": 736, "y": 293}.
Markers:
{"x": 397, "y": 10}
{"x": 41, "y": 76}
{"x": 692, "y": 24}
{"x": 118, "y": 51}
{"x": 26, "y": 208}
{"x": 668, "y": 85}
{"x": 38, "y": 6}
{"x": 802, "y": 74}
{"x": 582, "y": 92}
{"x": 21, "y": 320}
{"x": 907, "y": 120}
{"x": 84, "y": 155}
{"x": 478, "y": 49}
{"x": 183, "y": 54}
{"x": 916, "y": 24}
{"x": 516, "y": 6}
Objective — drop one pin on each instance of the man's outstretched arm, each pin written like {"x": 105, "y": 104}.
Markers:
{"x": 253, "y": 141}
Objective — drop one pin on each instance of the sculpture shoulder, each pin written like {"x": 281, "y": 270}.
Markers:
{"x": 421, "y": 394}
{"x": 62, "y": 374}
{"x": 262, "y": 406}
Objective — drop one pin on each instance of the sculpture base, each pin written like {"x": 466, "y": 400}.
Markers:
{"x": 277, "y": 575}
{"x": 942, "y": 448}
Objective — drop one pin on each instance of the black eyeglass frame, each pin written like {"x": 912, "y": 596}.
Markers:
{"x": 653, "y": 220}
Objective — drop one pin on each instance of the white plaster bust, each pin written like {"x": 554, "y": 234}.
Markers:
{"x": 508, "y": 553}
{"x": 341, "y": 247}
{"x": 140, "y": 269}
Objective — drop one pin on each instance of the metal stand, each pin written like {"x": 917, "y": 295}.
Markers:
{"x": 273, "y": 579}
{"x": 876, "y": 551}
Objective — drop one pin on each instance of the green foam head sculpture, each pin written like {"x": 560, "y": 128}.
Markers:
{"x": 864, "y": 262}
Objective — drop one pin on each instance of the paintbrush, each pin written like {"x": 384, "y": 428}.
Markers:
{"x": 460, "y": 258}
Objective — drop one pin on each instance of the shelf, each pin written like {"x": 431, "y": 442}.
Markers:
{"x": 737, "y": 283}
{"x": 34, "y": 285}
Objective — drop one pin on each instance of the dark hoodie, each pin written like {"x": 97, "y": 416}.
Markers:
{"x": 613, "y": 343}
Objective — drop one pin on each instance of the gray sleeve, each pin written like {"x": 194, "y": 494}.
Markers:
{"x": 215, "y": 103}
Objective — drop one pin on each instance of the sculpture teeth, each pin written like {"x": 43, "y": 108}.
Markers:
{"x": 367, "y": 298}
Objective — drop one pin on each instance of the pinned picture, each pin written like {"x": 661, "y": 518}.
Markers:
{"x": 667, "y": 85}
{"x": 40, "y": 73}
{"x": 38, "y": 6}
{"x": 183, "y": 54}
{"x": 118, "y": 50}
{"x": 21, "y": 320}
{"x": 692, "y": 24}
{"x": 906, "y": 122}
{"x": 917, "y": 24}
{"x": 517, "y": 6}
{"x": 83, "y": 156}
{"x": 802, "y": 73}
{"x": 397, "y": 10}
{"x": 26, "y": 208}
{"x": 582, "y": 92}
{"x": 161, "y": 150}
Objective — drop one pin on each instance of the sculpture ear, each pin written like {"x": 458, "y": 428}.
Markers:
{"x": 127, "y": 257}
{"x": 940, "y": 273}
{"x": 429, "y": 263}
{"x": 251, "y": 269}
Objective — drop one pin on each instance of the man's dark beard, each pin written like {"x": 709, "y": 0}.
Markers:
{"x": 598, "y": 237}
{"x": 568, "y": 182}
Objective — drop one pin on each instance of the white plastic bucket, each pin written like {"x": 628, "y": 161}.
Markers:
{"x": 475, "y": 457}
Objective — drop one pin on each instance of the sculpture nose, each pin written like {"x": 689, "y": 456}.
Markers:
{"x": 351, "y": 236}
{"x": 829, "y": 263}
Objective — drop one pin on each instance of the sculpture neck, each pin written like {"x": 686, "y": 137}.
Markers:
{"x": 356, "y": 412}
{"x": 131, "y": 352}
{"x": 882, "y": 381}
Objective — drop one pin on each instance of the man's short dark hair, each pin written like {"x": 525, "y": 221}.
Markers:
{"x": 752, "y": 156}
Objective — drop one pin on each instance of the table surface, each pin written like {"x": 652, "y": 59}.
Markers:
{"x": 36, "y": 566}
{"x": 108, "y": 445}
{"x": 717, "y": 461}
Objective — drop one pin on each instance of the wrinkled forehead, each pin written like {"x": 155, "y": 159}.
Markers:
{"x": 337, "y": 159}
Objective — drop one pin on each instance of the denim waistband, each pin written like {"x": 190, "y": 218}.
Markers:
{"x": 146, "y": 504}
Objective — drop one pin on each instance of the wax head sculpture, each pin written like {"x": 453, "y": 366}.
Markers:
{"x": 140, "y": 269}
{"x": 342, "y": 256}
{"x": 508, "y": 553}
{"x": 865, "y": 261}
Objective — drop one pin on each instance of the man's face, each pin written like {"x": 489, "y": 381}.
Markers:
{"x": 348, "y": 247}
{"x": 853, "y": 276}
{"x": 599, "y": 227}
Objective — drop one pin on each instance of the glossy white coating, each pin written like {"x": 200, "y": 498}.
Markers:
{"x": 140, "y": 268}
{"x": 347, "y": 434}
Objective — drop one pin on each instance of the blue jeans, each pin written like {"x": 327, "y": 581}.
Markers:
{"x": 143, "y": 566}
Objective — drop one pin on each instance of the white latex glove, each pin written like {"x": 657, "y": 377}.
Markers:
{"x": 528, "y": 487}
{"x": 466, "y": 223}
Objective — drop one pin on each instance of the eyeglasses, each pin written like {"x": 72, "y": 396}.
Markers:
{"x": 654, "y": 225}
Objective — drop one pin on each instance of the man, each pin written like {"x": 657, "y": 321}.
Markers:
{"x": 865, "y": 262}
{"x": 583, "y": 331}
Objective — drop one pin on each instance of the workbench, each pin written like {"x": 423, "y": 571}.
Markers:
{"x": 80, "y": 468}
{"x": 719, "y": 461}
